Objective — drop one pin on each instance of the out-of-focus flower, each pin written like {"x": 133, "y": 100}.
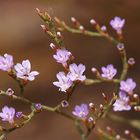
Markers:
{"x": 76, "y": 72}
{"x": 8, "y": 114}
{"x": 122, "y": 103}
{"x": 117, "y": 23}
{"x": 128, "y": 86}
{"x": 62, "y": 56}
{"x": 23, "y": 71}
{"x": 6, "y": 62}
{"x": 81, "y": 111}
{"x": 108, "y": 72}
{"x": 64, "y": 82}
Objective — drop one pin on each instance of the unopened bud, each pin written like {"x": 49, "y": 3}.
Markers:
{"x": 109, "y": 129}
{"x": 118, "y": 137}
{"x": 103, "y": 28}
{"x": 101, "y": 107}
{"x": 90, "y": 119}
{"x": 64, "y": 103}
{"x": 38, "y": 10}
{"x": 94, "y": 70}
{"x": 137, "y": 108}
{"x": 92, "y": 21}
{"x": 52, "y": 46}
{"x": 73, "y": 19}
{"x": 92, "y": 106}
{"x": 38, "y": 107}
{"x": 81, "y": 27}
{"x": 44, "y": 28}
{"x": 135, "y": 96}
{"x": 59, "y": 34}
{"x": 19, "y": 114}
{"x": 126, "y": 132}
{"x": 120, "y": 46}
{"x": 9, "y": 92}
{"x": 105, "y": 97}
{"x": 131, "y": 61}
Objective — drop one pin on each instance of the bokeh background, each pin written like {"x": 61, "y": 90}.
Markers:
{"x": 21, "y": 36}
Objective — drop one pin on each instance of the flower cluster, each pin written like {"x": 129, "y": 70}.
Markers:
{"x": 22, "y": 71}
{"x": 85, "y": 116}
{"x": 75, "y": 72}
{"x": 126, "y": 90}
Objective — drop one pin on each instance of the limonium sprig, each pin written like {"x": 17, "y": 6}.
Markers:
{"x": 86, "y": 115}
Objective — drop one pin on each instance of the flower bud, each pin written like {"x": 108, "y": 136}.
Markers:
{"x": 9, "y": 92}
{"x": 59, "y": 34}
{"x": 92, "y": 22}
{"x": 120, "y": 46}
{"x": 136, "y": 96}
{"x": 44, "y": 28}
{"x": 131, "y": 61}
{"x": 81, "y": 28}
{"x": 38, "y": 107}
{"x": 103, "y": 28}
{"x": 137, "y": 108}
{"x": 127, "y": 132}
{"x": 52, "y": 46}
{"x": 64, "y": 103}
{"x": 73, "y": 19}
{"x": 118, "y": 137}
{"x": 94, "y": 70}
{"x": 90, "y": 119}
{"x": 92, "y": 106}
{"x": 19, "y": 114}
{"x": 101, "y": 107}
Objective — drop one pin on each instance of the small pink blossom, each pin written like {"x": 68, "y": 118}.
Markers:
{"x": 76, "y": 72}
{"x": 6, "y": 62}
{"x": 108, "y": 72}
{"x": 128, "y": 86}
{"x": 8, "y": 114}
{"x": 117, "y": 23}
{"x": 62, "y": 56}
{"x": 23, "y": 71}
{"x": 81, "y": 111}
{"x": 64, "y": 82}
{"x": 122, "y": 103}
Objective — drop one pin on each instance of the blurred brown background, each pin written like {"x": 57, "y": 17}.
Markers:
{"x": 21, "y": 36}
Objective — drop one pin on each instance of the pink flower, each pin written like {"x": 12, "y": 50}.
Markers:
{"x": 122, "y": 103}
{"x": 81, "y": 111}
{"x": 76, "y": 72}
{"x": 8, "y": 114}
{"x": 117, "y": 23}
{"x": 128, "y": 86}
{"x": 6, "y": 62}
{"x": 64, "y": 82}
{"x": 62, "y": 56}
{"x": 23, "y": 71}
{"x": 108, "y": 72}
